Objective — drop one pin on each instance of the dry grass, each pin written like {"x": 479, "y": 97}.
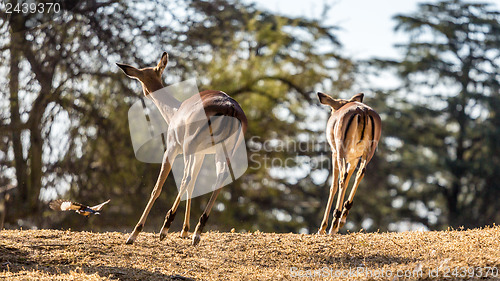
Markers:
{"x": 67, "y": 255}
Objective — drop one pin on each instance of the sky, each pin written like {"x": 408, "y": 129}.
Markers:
{"x": 367, "y": 25}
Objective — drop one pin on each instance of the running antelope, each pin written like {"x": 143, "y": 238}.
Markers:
{"x": 353, "y": 132}
{"x": 187, "y": 135}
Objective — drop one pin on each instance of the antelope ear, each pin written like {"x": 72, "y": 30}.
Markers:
{"x": 130, "y": 71}
{"x": 358, "y": 97}
{"x": 327, "y": 100}
{"x": 162, "y": 63}
{"x": 324, "y": 98}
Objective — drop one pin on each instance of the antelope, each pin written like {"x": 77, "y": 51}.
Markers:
{"x": 187, "y": 135}
{"x": 353, "y": 132}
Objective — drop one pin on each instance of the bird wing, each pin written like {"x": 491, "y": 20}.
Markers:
{"x": 65, "y": 205}
{"x": 99, "y": 207}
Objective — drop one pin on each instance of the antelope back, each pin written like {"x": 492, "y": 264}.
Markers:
{"x": 354, "y": 130}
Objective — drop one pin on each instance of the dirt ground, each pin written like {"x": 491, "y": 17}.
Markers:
{"x": 67, "y": 255}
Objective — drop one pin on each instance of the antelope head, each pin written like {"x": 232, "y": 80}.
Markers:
{"x": 150, "y": 77}
{"x": 336, "y": 104}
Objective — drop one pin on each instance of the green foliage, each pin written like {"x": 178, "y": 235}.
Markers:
{"x": 64, "y": 129}
{"x": 271, "y": 64}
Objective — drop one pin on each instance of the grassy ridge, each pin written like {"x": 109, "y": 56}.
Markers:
{"x": 66, "y": 255}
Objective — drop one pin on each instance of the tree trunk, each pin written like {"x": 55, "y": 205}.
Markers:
{"x": 452, "y": 202}
{"x": 35, "y": 166}
{"x": 15, "y": 123}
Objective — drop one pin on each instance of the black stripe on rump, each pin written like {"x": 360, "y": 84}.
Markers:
{"x": 349, "y": 125}
{"x": 364, "y": 128}
{"x": 373, "y": 127}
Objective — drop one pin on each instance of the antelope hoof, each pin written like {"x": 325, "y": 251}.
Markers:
{"x": 334, "y": 230}
{"x": 321, "y": 232}
{"x": 184, "y": 233}
{"x": 341, "y": 224}
{"x": 163, "y": 233}
{"x": 196, "y": 239}
{"x": 132, "y": 238}
{"x": 335, "y": 224}
{"x": 162, "y": 236}
{"x": 343, "y": 219}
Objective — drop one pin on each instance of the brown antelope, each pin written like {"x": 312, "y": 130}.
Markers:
{"x": 187, "y": 135}
{"x": 353, "y": 132}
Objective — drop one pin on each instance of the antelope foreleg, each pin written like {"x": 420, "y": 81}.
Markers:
{"x": 165, "y": 170}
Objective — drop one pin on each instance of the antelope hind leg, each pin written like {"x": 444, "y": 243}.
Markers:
{"x": 223, "y": 168}
{"x": 333, "y": 190}
{"x": 348, "y": 204}
{"x": 189, "y": 161}
{"x": 343, "y": 187}
{"x": 196, "y": 170}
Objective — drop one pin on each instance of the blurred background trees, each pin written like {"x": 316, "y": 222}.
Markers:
{"x": 64, "y": 128}
{"x": 446, "y": 163}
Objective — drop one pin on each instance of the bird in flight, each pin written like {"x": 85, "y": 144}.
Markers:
{"x": 66, "y": 205}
